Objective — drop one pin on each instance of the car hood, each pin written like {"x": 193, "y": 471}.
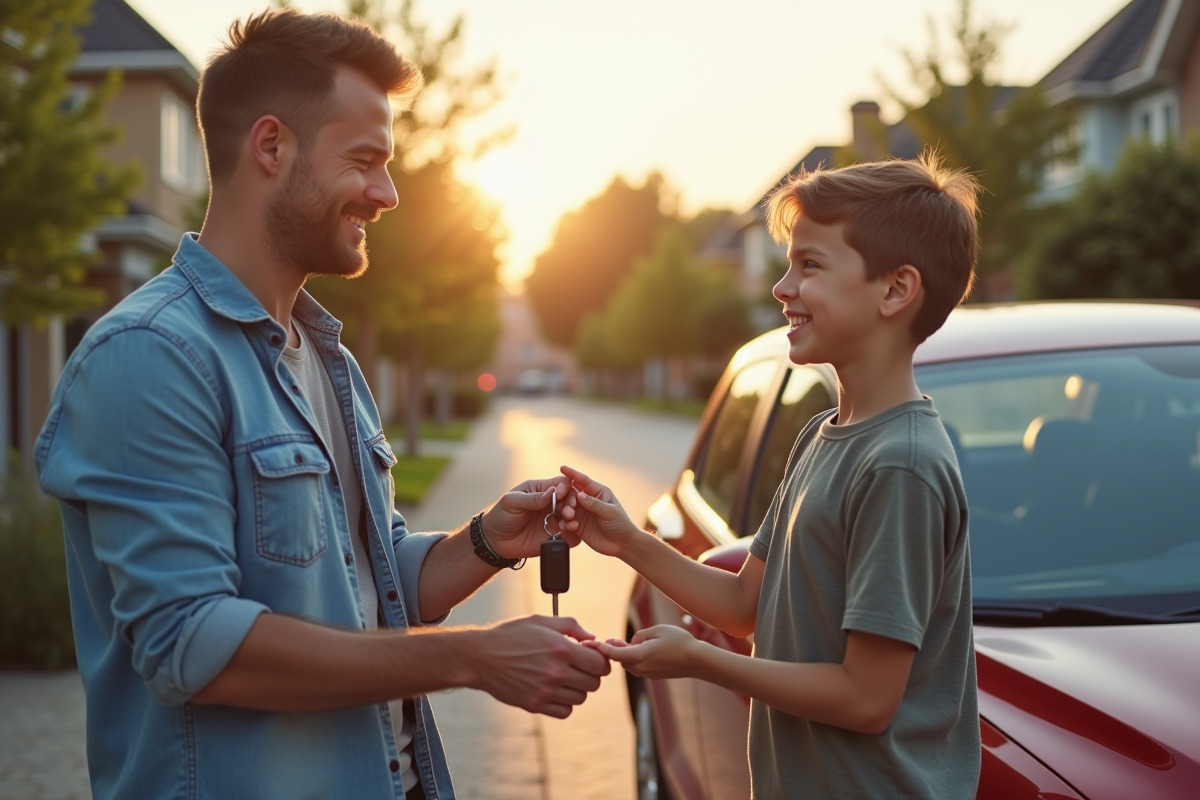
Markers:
{"x": 1114, "y": 710}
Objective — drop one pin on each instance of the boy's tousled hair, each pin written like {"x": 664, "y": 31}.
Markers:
{"x": 895, "y": 212}
{"x": 283, "y": 62}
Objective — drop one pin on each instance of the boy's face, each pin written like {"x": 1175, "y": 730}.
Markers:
{"x": 829, "y": 304}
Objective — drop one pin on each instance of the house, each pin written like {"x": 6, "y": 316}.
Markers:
{"x": 155, "y": 111}
{"x": 1138, "y": 75}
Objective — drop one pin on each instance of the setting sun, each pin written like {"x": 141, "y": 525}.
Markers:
{"x": 501, "y": 174}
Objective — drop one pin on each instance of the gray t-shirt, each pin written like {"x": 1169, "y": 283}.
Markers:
{"x": 868, "y": 532}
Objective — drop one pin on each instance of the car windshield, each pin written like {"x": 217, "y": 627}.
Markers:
{"x": 1082, "y": 472}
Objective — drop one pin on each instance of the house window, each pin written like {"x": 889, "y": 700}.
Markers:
{"x": 1063, "y": 160}
{"x": 181, "y": 165}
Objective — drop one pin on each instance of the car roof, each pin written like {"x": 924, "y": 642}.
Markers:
{"x": 1001, "y": 329}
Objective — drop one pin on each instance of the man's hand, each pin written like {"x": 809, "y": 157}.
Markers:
{"x": 534, "y": 664}
{"x": 663, "y": 651}
{"x": 515, "y": 525}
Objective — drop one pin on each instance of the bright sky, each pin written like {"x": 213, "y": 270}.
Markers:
{"x": 722, "y": 96}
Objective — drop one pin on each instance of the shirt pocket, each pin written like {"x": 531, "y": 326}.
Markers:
{"x": 289, "y": 502}
{"x": 384, "y": 459}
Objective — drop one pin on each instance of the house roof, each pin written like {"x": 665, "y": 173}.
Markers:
{"x": 117, "y": 27}
{"x": 119, "y": 38}
{"x": 1116, "y": 48}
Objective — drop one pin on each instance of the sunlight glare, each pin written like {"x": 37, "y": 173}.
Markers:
{"x": 501, "y": 175}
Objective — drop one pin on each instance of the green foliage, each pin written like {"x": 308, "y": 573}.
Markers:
{"x": 592, "y": 252}
{"x": 35, "y": 612}
{"x": 1128, "y": 234}
{"x": 669, "y": 307}
{"x": 54, "y": 184}
{"x": 1003, "y": 136}
{"x": 722, "y": 318}
{"x": 653, "y": 313}
{"x": 414, "y": 476}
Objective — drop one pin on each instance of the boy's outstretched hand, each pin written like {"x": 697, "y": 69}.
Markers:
{"x": 606, "y": 528}
{"x": 663, "y": 651}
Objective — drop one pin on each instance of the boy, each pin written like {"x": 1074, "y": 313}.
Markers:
{"x": 862, "y": 680}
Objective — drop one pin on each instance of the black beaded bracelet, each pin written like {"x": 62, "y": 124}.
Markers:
{"x": 485, "y": 551}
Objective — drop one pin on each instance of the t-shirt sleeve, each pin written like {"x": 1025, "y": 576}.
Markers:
{"x": 895, "y": 555}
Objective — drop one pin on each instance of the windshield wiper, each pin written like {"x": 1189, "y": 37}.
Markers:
{"x": 1014, "y": 614}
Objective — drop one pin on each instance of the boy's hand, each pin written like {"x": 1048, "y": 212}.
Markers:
{"x": 663, "y": 651}
{"x": 605, "y": 526}
{"x": 515, "y": 525}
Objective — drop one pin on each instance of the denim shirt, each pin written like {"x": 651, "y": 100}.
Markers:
{"x": 197, "y": 494}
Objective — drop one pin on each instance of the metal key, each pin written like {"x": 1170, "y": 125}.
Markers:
{"x": 555, "y": 559}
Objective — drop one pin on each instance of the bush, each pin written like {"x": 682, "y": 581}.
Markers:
{"x": 465, "y": 403}
{"x": 35, "y": 611}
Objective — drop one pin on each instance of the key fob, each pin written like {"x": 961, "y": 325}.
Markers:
{"x": 555, "y": 559}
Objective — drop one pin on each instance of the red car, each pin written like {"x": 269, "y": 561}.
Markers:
{"x": 1076, "y": 426}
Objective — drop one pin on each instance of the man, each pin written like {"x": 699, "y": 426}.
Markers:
{"x": 225, "y": 482}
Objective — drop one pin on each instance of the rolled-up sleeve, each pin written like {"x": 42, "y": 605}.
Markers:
{"x": 134, "y": 445}
{"x": 411, "y": 550}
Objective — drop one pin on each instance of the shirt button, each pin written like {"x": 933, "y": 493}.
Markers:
{"x": 276, "y": 339}
{"x": 295, "y": 388}
{"x": 299, "y": 458}
{"x": 394, "y": 766}
{"x": 392, "y": 594}
{"x": 349, "y": 559}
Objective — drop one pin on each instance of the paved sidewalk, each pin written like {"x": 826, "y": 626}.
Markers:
{"x": 42, "y": 753}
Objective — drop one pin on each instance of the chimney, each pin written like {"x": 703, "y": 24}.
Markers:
{"x": 867, "y": 142}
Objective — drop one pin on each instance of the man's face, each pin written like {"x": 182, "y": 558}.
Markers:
{"x": 338, "y": 183}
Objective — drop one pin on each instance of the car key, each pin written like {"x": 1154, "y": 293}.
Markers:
{"x": 555, "y": 560}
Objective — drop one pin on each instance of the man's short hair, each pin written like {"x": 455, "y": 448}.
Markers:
{"x": 283, "y": 62}
{"x": 895, "y": 212}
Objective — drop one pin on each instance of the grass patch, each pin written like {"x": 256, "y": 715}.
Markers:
{"x": 414, "y": 476}
{"x": 455, "y": 430}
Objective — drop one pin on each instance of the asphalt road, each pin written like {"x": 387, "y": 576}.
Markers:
{"x": 496, "y": 752}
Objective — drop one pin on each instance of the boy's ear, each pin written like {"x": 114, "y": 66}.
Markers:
{"x": 902, "y": 288}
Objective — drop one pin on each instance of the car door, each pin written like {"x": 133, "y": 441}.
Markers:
{"x": 723, "y": 715}
{"x": 708, "y": 494}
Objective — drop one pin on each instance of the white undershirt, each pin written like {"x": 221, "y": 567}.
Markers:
{"x": 318, "y": 389}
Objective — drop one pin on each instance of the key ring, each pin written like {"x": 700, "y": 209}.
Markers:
{"x": 553, "y": 513}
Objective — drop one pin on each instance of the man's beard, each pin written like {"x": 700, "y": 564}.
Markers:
{"x": 304, "y": 231}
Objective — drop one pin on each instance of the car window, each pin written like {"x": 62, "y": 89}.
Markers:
{"x": 717, "y": 471}
{"x": 1081, "y": 469}
{"x": 804, "y": 396}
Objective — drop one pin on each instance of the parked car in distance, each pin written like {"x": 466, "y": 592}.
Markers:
{"x": 1076, "y": 427}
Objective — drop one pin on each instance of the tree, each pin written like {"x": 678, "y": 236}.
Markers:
{"x": 1003, "y": 135}
{"x": 429, "y": 298}
{"x": 593, "y": 250}
{"x": 55, "y": 185}
{"x": 1128, "y": 234}
{"x": 723, "y": 317}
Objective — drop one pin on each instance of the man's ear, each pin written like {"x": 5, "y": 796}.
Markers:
{"x": 901, "y": 289}
{"x": 271, "y": 143}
